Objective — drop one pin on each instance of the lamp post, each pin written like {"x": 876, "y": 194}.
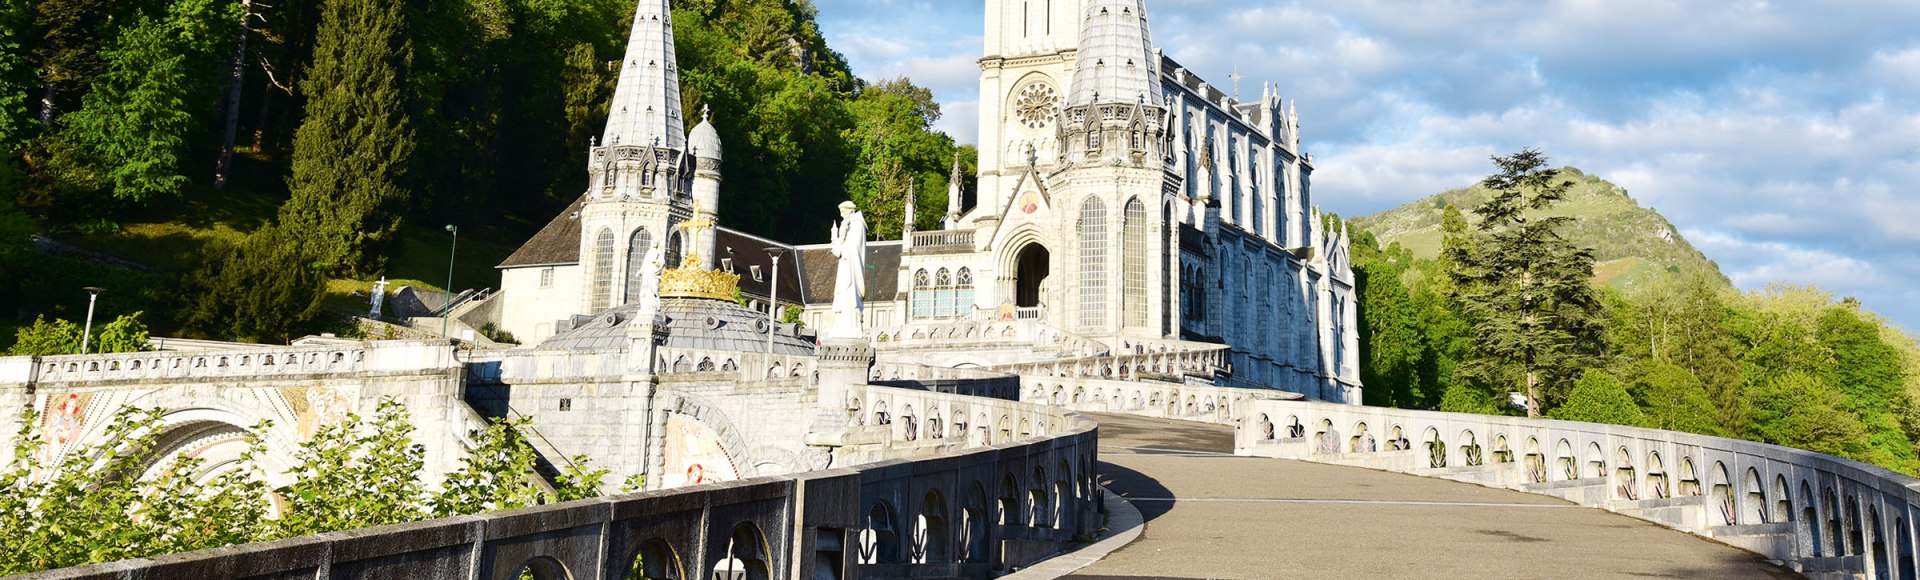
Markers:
{"x": 773, "y": 296}
{"x": 86, "y": 336}
{"x": 446, "y": 315}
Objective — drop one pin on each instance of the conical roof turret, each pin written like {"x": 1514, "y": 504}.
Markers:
{"x": 646, "y": 102}
{"x": 1115, "y": 63}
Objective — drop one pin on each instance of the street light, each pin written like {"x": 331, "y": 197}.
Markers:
{"x": 446, "y": 315}
{"x": 773, "y": 296}
{"x": 86, "y": 336}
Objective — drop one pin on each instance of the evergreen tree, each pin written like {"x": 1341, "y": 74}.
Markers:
{"x": 1535, "y": 316}
{"x": 133, "y": 123}
{"x": 352, "y": 151}
{"x": 263, "y": 289}
{"x": 16, "y": 74}
{"x": 1598, "y": 397}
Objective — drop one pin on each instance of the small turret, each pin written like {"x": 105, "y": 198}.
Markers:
{"x": 704, "y": 143}
{"x": 906, "y": 217}
{"x": 954, "y": 195}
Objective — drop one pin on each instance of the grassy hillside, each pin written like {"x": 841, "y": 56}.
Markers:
{"x": 1632, "y": 244}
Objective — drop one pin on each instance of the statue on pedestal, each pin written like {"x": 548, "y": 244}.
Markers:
{"x": 850, "y": 281}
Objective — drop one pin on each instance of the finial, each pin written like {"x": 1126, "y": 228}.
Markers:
{"x": 706, "y": 112}
{"x": 593, "y": 141}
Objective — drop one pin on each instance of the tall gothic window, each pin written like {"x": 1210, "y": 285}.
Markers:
{"x": 602, "y": 271}
{"x": 1093, "y": 263}
{"x": 1166, "y": 273}
{"x": 1133, "y": 292}
{"x": 637, "y": 247}
{"x": 922, "y": 295}
{"x": 674, "y": 245}
{"x": 963, "y": 292}
{"x": 943, "y": 294}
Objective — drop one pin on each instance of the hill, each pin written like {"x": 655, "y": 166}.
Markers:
{"x": 1632, "y": 244}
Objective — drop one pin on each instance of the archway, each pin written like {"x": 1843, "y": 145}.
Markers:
{"x": 1032, "y": 266}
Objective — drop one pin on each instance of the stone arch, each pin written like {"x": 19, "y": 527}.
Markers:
{"x": 545, "y": 568}
{"x": 1809, "y": 522}
{"x": 880, "y": 540}
{"x": 1723, "y": 494}
{"x": 1753, "y": 499}
{"x": 1362, "y": 441}
{"x": 1625, "y": 485}
{"x": 1596, "y": 461}
{"x": 726, "y": 436}
{"x": 746, "y": 555}
{"x": 1564, "y": 461}
{"x": 1830, "y": 507}
{"x": 656, "y": 560}
{"x": 1471, "y": 453}
{"x": 1657, "y": 483}
{"x": 973, "y": 524}
{"x": 1689, "y": 478}
{"x": 1436, "y": 448}
{"x": 932, "y": 540}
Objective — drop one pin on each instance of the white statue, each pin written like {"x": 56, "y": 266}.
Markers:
{"x": 650, "y": 278}
{"x": 850, "y": 280}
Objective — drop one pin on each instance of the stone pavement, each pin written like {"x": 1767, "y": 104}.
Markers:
{"x": 1210, "y": 514}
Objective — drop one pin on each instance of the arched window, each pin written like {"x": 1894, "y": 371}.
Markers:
{"x": 922, "y": 294}
{"x": 1133, "y": 292}
{"x": 1093, "y": 140}
{"x": 637, "y": 246}
{"x": 602, "y": 271}
{"x": 962, "y": 292}
{"x": 1093, "y": 263}
{"x": 675, "y": 245}
{"x": 1166, "y": 273}
{"x": 943, "y": 294}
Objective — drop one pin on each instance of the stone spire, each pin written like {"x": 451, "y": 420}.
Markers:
{"x": 646, "y": 104}
{"x": 906, "y": 218}
{"x": 1115, "y": 63}
{"x": 954, "y": 194}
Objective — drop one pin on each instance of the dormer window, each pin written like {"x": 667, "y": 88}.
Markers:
{"x": 756, "y": 273}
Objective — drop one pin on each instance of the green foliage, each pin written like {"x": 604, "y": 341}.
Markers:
{"x": 354, "y": 475}
{"x": 1800, "y": 410}
{"x": 352, "y": 151}
{"x": 16, "y": 76}
{"x": 791, "y": 315}
{"x": 124, "y": 334}
{"x": 263, "y": 289}
{"x": 46, "y": 338}
{"x": 1534, "y": 316}
{"x": 1672, "y": 398}
{"x": 1598, "y": 397}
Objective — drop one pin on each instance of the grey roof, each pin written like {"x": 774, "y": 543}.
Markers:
{"x": 558, "y": 243}
{"x": 1115, "y": 63}
{"x": 821, "y": 269}
{"x": 646, "y": 102}
{"x": 748, "y": 250}
{"x": 691, "y": 323}
{"x": 705, "y": 141}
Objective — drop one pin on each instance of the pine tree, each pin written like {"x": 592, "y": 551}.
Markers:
{"x": 351, "y": 153}
{"x": 263, "y": 289}
{"x": 16, "y": 73}
{"x": 1535, "y": 315}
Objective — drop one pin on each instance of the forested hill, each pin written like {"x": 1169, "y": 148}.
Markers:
{"x": 196, "y": 139}
{"x": 1632, "y": 245}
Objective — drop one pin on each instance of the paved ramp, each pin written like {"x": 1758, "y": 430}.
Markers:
{"x": 1210, "y": 514}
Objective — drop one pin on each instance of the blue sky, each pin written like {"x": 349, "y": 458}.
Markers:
{"x": 1781, "y": 137}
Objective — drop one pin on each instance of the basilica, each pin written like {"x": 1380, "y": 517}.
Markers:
{"x": 1124, "y": 205}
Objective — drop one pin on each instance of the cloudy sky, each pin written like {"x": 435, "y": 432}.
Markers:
{"x": 1782, "y": 138}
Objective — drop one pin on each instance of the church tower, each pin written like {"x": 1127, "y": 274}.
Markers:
{"x": 643, "y": 177}
{"x": 1024, "y": 76}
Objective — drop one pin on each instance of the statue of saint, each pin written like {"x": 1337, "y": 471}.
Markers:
{"x": 850, "y": 280}
{"x": 650, "y": 277}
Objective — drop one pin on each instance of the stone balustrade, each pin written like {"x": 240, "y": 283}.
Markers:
{"x": 1201, "y": 403}
{"x": 137, "y": 367}
{"x": 1170, "y": 364}
{"x": 943, "y": 241}
{"x": 963, "y": 507}
{"x": 1821, "y": 515}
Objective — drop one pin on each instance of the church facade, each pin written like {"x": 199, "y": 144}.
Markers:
{"x": 1121, "y": 200}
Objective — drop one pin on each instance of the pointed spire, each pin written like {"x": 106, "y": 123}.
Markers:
{"x": 1116, "y": 55}
{"x": 906, "y": 227}
{"x": 646, "y": 102}
{"x": 954, "y": 194}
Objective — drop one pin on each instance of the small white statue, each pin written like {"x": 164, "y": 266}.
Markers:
{"x": 850, "y": 282}
{"x": 650, "y": 267}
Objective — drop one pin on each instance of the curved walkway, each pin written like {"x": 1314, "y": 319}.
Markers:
{"x": 1210, "y": 514}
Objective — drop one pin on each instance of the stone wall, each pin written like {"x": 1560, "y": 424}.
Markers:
{"x": 1821, "y": 515}
{"x": 972, "y": 512}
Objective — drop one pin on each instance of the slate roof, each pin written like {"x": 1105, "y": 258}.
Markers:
{"x": 691, "y": 323}
{"x": 746, "y": 251}
{"x": 883, "y": 272}
{"x": 558, "y": 243}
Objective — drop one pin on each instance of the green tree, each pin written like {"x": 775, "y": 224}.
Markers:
{"x": 352, "y": 151}
{"x": 1872, "y": 375}
{"x": 265, "y": 288}
{"x": 497, "y": 475}
{"x": 16, "y": 74}
{"x": 46, "y": 337}
{"x": 125, "y": 334}
{"x": 353, "y": 475}
{"x": 1535, "y": 316}
{"x": 1598, "y": 397}
{"x": 134, "y": 121}
{"x": 1799, "y": 410}
{"x": 1672, "y": 399}
{"x": 1685, "y": 322}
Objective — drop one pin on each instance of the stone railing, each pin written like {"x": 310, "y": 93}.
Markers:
{"x": 1202, "y": 403}
{"x": 963, "y": 381}
{"x": 249, "y": 363}
{"x": 971, "y": 510}
{"x": 1820, "y": 515}
{"x": 943, "y": 241}
{"x": 988, "y": 332}
{"x": 571, "y": 366}
{"x": 1171, "y": 365}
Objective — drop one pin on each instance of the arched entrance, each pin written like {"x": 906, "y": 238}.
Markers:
{"x": 1032, "y": 266}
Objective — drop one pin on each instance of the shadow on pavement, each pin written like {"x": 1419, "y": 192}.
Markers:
{"x": 1130, "y": 484}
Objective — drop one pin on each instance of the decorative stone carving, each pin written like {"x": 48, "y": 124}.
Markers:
{"x": 1035, "y": 105}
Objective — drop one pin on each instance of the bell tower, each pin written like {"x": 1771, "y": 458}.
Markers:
{"x": 1024, "y": 78}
